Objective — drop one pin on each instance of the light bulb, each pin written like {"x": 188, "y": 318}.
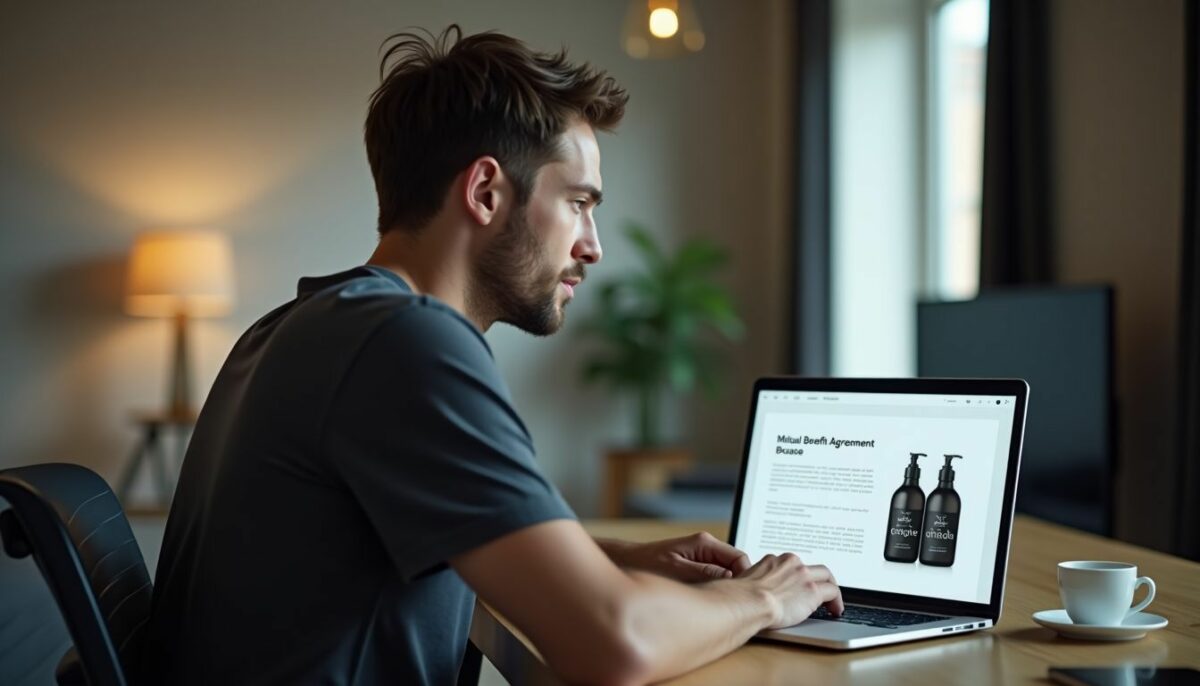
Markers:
{"x": 664, "y": 23}
{"x": 659, "y": 29}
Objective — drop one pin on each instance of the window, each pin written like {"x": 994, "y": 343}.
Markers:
{"x": 957, "y": 57}
{"x": 907, "y": 95}
{"x": 877, "y": 157}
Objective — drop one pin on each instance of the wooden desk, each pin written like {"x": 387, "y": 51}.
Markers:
{"x": 1016, "y": 651}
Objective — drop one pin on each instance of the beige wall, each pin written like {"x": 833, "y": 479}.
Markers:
{"x": 246, "y": 117}
{"x": 1118, "y": 130}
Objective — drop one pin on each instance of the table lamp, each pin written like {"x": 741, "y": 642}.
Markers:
{"x": 181, "y": 275}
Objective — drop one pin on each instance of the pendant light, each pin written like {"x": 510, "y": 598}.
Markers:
{"x": 658, "y": 29}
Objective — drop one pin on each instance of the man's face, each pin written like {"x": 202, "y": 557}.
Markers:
{"x": 530, "y": 271}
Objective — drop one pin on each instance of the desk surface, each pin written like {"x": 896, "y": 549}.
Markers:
{"x": 1017, "y": 650}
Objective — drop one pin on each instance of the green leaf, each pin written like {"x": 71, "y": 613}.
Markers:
{"x": 597, "y": 370}
{"x": 644, "y": 242}
{"x": 652, "y": 327}
{"x": 709, "y": 359}
{"x": 682, "y": 373}
{"x": 696, "y": 258}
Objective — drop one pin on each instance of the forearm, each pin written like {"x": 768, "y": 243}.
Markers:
{"x": 596, "y": 623}
{"x": 678, "y": 627}
{"x": 615, "y": 549}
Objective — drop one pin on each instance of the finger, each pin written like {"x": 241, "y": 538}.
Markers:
{"x": 716, "y": 571}
{"x": 769, "y": 560}
{"x": 701, "y": 571}
{"x": 831, "y": 596}
{"x": 820, "y": 573}
{"x": 725, "y": 555}
{"x": 740, "y": 564}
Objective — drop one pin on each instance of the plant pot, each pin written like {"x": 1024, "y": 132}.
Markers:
{"x": 643, "y": 469}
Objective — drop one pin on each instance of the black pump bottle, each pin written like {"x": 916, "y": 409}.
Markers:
{"x": 940, "y": 536}
{"x": 904, "y": 522}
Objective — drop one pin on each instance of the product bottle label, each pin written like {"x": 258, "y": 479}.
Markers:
{"x": 941, "y": 534}
{"x": 904, "y": 533}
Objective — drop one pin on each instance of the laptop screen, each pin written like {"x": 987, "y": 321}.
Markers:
{"x": 830, "y": 476}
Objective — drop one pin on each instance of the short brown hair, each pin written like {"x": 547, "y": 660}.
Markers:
{"x": 448, "y": 100}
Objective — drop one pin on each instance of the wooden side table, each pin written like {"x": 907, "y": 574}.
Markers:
{"x": 150, "y": 447}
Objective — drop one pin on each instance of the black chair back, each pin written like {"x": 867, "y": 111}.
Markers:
{"x": 68, "y": 518}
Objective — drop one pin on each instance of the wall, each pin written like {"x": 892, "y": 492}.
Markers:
{"x": 1117, "y": 79}
{"x": 247, "y": 118}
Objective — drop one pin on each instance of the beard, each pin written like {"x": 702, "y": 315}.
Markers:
{"x": 513, "y": 285}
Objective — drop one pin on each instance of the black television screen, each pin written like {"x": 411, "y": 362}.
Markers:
{"x": 1060, "y": 341}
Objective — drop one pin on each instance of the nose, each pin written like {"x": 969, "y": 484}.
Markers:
{"x": 587, "y": 249}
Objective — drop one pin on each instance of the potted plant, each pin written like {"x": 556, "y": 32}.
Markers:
{"x": 657, "y": 329}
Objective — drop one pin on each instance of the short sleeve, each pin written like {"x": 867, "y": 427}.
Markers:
{"x": 423, "y": 434}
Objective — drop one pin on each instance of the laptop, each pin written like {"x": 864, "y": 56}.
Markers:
{"x": 904, "y": 488}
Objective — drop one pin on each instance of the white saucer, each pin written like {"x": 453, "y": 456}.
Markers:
{"x": 1133, "y": 628}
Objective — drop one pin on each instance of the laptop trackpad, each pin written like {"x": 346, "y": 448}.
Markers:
{"x": 836, "y": 631}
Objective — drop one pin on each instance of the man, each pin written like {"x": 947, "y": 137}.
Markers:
{"x": 359, "y": 473}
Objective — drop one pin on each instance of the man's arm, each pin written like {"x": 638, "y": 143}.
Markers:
{"x": 690, "y": 559}
{"x": 595, "y": 623}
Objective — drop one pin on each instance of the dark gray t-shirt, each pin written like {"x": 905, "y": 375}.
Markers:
{"x": 355, "y": 439}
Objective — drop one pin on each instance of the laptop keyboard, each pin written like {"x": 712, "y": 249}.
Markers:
{"x": 878, "y": 617}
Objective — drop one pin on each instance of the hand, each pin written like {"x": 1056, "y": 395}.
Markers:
{"x": 690, "y": 559}
{"x": 794, "y": 589}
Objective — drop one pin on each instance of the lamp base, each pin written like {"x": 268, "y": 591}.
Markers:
{"x": 179, "y": 404}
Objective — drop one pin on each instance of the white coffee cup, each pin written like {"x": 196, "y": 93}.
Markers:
{"x": 1100, "y": 592}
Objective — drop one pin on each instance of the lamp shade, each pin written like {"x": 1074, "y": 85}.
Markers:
{"x": 180, "y": 272}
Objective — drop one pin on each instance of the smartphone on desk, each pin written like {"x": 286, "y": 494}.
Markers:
{"x": 1125, "y": 675}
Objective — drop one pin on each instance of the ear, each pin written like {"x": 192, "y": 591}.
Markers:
{"x": 486, "y": 190}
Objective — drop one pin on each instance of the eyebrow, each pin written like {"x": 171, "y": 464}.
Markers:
{"x": 596, "y": 193}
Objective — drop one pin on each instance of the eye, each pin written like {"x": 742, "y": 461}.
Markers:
{"x": 580, "y": 203}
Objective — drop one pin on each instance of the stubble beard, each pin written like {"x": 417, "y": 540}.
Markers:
{"x": 512, "y": 285}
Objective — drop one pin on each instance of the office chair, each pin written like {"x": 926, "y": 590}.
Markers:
{"x": 67, "y": 517}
